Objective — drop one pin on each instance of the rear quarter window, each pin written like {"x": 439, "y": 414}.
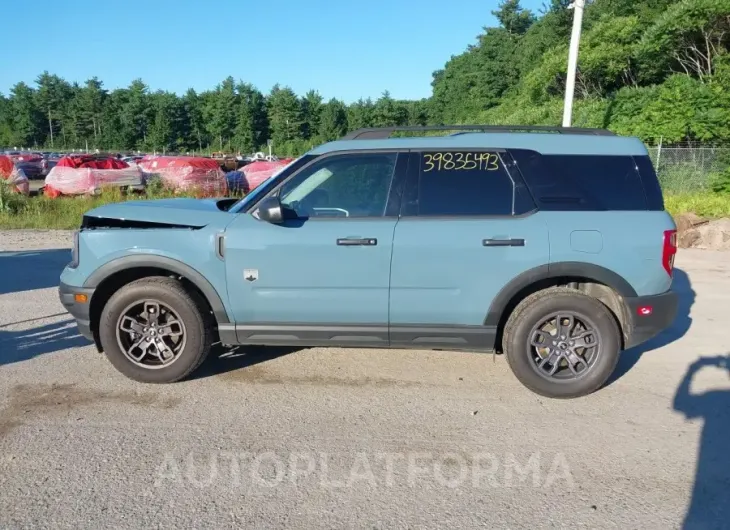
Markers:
{"x": 582, "y": 182}
{"x": 654, "y": 197}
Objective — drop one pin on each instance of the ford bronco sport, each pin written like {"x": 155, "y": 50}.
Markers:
{"x": 551, "y": 245}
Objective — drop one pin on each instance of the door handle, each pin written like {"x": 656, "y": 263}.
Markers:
{"x": 503, "y": 242}
{"x": 220, "y": 246}
{"x": 352, "y": 242}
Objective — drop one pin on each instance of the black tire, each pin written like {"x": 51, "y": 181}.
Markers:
{"x": 198, "y": 329}
{"x": 538, "y": 306}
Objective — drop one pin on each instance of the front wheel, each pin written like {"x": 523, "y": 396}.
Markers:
{"x": 561, "y": 343}
{"x": 153, "y": 331}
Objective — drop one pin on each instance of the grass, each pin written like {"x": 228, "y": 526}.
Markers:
{"x": 18, "y": 212}
{"x": 65, "y": 213}
{"x": 705, "y": 204}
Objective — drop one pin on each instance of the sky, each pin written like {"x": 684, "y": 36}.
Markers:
{"x": 344, "y": 49}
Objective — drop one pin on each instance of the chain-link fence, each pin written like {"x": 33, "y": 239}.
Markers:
{"x": 688, "y": 169}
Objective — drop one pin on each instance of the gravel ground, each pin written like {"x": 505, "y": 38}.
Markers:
{"x": 342, "y": 438}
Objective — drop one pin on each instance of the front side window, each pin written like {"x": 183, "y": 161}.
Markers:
{"x": 464, "y": 183}
{"x": 354, "y": 185}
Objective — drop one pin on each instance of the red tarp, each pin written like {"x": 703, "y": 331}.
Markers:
{"x": 15, "y": 177}
{"x": 90, "y": 162}
{"x": 257, "y": 172}
{"x": 6, "y": 166}
{"x": 187, "y": 173}
{"x": 80, "y": 175}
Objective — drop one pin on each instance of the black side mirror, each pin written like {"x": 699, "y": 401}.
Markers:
{"x": 270, "y": 210}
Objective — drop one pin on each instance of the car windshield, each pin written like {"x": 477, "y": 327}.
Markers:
{"x": 243, "y": 203}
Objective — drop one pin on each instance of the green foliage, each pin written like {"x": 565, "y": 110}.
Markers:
{"x": 387, "y": 112}
{"x": 220, "y": 112}
{"x": 687, "y": 36}
{"x": 627, "y": 80}
{"x": 251, "y": 121}
{"x": 477, "y": 79}
{"x": 361, "y": 114}
{"x": 683, "y": 178}
{"x": 332, "y": 120}
{"x": 66, "y": 212}
{"x": 311, "y": 112}
{"x": 513, "y": 18}
{"x": 11, "y": 202}
{"x": 720, "y": 182}
{"x": 285, "y": 115}
{"x": 681, "y": 108}
{"x": 705, "y": 204}
{"x": 26, "y": 118}
{"x": 650, "y": 68}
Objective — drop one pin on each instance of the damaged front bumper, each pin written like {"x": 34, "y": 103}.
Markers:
{"x": 77, "y": 301}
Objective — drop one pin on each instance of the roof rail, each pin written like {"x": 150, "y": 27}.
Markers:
{"x": 379, "y": 133}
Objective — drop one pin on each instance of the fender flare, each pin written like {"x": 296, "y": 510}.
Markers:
{"x": 162, "y": 262}
{"x": 555, "y": 270}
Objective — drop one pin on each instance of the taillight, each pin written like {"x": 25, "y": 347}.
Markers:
{"x": 669, "y": 250}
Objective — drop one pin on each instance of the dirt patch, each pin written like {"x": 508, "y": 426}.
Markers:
{"x": 35, "y": 239}
{"x": 687, "y": 221}
{"x": 261, "y": 376}
{"x": 694, "y": 232}
{"x": 33, "y": 400}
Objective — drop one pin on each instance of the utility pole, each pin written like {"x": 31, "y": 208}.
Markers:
{"x": 578, "y": 6}
{"x": 50, "y": 125}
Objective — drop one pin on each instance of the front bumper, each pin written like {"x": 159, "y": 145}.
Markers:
{"x": 644, "y": 324}
{"x": 78, "y": 310}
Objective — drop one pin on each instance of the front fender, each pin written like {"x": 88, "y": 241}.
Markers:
{"x": 137, "y": 260}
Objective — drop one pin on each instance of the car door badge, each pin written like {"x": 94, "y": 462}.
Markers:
{"x": 250, "y": 275}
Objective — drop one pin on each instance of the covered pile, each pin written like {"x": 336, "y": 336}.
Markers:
{"x": 186, "y": 173}
{"x": 88, "y": 174}
{"x": 13, "y": 175}
{"x": 257, "y": 172}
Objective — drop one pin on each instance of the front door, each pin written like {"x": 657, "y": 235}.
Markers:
{"x": 323, "y": 274}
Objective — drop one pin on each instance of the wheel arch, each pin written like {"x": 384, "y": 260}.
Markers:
{"x": 595, "y": 280}
{"x": 108, "y": 278}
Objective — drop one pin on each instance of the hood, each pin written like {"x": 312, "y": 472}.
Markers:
{"x": 161, "y": 213}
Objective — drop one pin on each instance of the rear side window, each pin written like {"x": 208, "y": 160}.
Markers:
{"x": 464, "y": 183}
{"x": 582, "y": 182}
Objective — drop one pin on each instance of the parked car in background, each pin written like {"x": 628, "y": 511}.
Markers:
{"x": 132, "y": 160}
{"x": 33, "y": 165}
{"x": 51, "y": 161}
{"x": 83, "y": 174}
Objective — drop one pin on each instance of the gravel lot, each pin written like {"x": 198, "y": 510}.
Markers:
{"x": 355, "y": 438}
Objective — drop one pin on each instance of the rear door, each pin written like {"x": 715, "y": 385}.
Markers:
{"x": 468, "y": 226}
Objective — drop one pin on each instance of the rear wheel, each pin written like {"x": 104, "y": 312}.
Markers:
{"x": 153, "y": 331}
{"x": 561, "y": 343}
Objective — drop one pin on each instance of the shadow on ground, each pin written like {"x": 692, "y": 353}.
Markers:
{"x": 709, "y": 505}
{"x": 222, "y": 359}
{"x": 683, "y": 287}
{"x": 31, "y": 269}
{"x": 17, "y": 346}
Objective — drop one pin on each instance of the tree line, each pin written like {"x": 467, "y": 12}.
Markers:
{"x": 650, "y": 68}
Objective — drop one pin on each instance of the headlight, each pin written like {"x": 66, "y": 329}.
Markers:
{"x": 75, "y": 251}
